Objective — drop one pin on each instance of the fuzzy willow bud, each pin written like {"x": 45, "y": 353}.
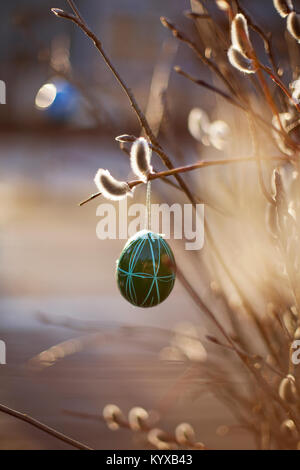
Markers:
{"x": 198, "y": 123}
{"x": 297, "y": 333}
{"x": 140, "y": 158}
{"x": 157, "y": 438}
{"x": 219, "y": 134}
{"x": 239, "y": 61}
{"x": 125, "y": 138}
{"x": 137, "y": 418}
{"x": 278, "y": 189}
{"x": 240, "y": 35}
{"x": 293, "y": 25}
{"x": 284, "y": 7}
{"x": 285, "y": 120}
{"x": 287, "y": 389}
{"x": 222, "y": 5}
{"x": 184, "y": 434}
{"x": 113, "y": 416}
{"x": 288, "y": 428}
{"x": 110, "y": 187}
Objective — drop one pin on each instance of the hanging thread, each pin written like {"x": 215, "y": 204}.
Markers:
{"x": 148, "y": 206}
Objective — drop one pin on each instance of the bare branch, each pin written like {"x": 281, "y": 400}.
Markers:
{"x": 43, "y": 427}
{"x": 233, "y": 101}
{"x": 184, "y": 169}
{"x": 182, "y": 37}
{"x": 142, "y": 119}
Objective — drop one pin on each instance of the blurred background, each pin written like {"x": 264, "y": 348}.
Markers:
{"x": 63, "y": 111}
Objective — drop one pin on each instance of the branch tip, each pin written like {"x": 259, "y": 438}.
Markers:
{"x": 62, "y": 14}
{"x": 125, "y": 138}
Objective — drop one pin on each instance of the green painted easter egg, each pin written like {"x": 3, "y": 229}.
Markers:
{"x": 146, "y": 270}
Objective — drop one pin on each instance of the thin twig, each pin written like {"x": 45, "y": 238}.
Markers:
{"x": 265, "y": 37}
{"x": 230, "y": 99}
{"x": 182, "y": 37}
{"x": 264, "y": 385}
{"x": 281, "y": 86}
{"x": 141, "y": 117}
{"x": 144, "y": 428}
{"x": 184, "y": 169}
{"x": 76, "y": 11}
{"x": 43, "y": 427}
{"x": 196, "y": 16}
{"x": 77, "y": 19}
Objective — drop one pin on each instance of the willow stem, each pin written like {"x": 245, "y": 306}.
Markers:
{"x": 184, "y": 169}
{"x": 79, "y": 21}
{"x": 43, "y": 427}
